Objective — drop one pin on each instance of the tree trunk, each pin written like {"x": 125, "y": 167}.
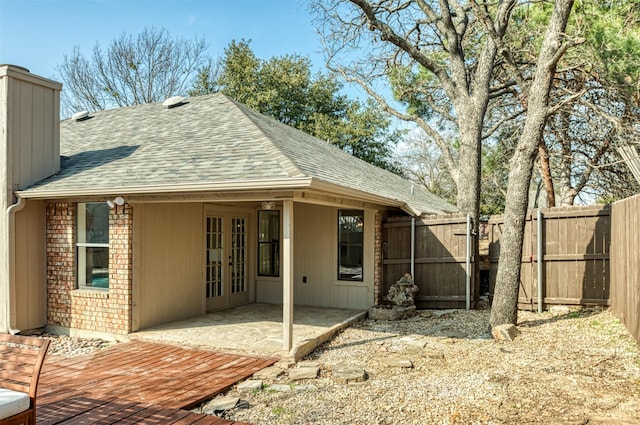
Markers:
{"x": 545, "y": 173}
{"x": 468, "y": 184}
{"x": 505, "y": 303}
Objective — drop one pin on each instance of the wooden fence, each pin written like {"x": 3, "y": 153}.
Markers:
{"x": 625, "y": 263}
{"x": 440, "y": 259}
{"x": 574, "y": 253}
{"x": 590, "y": 255}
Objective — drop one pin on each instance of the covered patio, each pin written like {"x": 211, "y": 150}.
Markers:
{"x": 256, "y": 329}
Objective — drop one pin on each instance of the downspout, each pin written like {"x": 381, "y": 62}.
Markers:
{"x": 11, "y": 263}
{"x": 413, "y": 247}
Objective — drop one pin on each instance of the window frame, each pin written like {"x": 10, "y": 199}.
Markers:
{"x": 276, "y": 245}
{"x": 82, "y": 245}
{"x": 341, "y": 277}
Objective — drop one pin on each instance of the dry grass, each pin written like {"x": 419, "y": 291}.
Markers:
{"x": 574, "y": 369}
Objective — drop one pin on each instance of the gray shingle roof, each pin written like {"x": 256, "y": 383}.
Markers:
{"x": 210, "y": 139}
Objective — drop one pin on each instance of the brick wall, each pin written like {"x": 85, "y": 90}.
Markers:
{"x": 88, "y": 309}
{"x": 61, "y": 259}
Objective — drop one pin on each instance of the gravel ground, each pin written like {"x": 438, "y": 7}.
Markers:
{"x": 578, "y": 368}
{"x": 66, "y": 346}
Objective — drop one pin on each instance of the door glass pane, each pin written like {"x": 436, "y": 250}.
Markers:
{"x": 215, "y": 257}
{"x": 238, "y": 258}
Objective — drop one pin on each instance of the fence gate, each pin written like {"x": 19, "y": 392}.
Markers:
{"x": 440, "y": 259}
{"x": 574, "y": 254}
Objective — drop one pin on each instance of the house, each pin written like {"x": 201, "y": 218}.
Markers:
{"x": 119, "y": 220}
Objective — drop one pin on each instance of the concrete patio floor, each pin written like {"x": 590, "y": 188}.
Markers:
{"x": 256, "y": 329}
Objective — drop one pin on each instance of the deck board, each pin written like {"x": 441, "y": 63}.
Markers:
{"x": 139, "y": 382}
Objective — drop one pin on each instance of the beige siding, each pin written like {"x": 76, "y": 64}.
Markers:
{"x": 30, "y": 273}
{"x": 168, "y": 263}
{"x": 32, "y": 128}
{"x": 315, "y": 257}
{"x": 29, "y": 151}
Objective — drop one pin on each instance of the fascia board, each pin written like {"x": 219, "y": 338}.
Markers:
{"x": 364, "y": 196}
{"x": 246, "y": 185}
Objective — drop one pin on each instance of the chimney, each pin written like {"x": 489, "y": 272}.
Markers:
{"x": 29, "y": 152}
{"x": 29, "y": 130}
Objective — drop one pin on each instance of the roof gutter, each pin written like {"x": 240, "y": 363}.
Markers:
{"x": 288, "y": 183}
{"x": 11, "y": 264}
{"x": 224, "y": 186}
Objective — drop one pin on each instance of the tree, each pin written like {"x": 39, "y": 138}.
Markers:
{"x": 537, "y": 95}
{"x": 599, "y": 77}
{"x": 437, "y": 59}
{"x": 147, "y": 68}
{"x": 284, "y": 88}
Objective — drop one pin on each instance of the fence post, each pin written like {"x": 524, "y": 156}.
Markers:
{"x": 540, "y": 257}
{"x": 468, "y": 270}
{"x": 413, "y": 247}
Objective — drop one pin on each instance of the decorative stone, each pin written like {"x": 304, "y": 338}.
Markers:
{"x": 268, "y": 373}
{"x": 396, "y": 362}
{"x": 301, "y": 373}
{"x": 505, "y": 332}
{"x": 221, "y": 404}
{"x": 285, "y": 364}
{"x": 250, "y": 385}
{"x": 383, "y": 312}
{"x": 309, "y": 363}
{"x": 403, "y": 291}
{"x": 346, "y": 373}
{"x": 401, "y": 295}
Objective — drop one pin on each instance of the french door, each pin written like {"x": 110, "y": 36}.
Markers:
{"x": 226, "y": 260}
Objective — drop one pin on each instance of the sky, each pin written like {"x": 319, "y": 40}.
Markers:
{"x": 36, "y": 34}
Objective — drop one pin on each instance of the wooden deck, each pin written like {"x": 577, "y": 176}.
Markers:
{"x": 139, "y": 382}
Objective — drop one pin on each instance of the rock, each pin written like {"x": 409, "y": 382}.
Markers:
{"x": 396, "y": 362}
{"x": 391, "y": 314}
{"x": 221, "y": 404}
{"x": 300, "y": 373}
{"x": 309, "y": 363}
{"x": 284, "y": 364}
{"x": 559, "y": 310}
{"x": 250, "y": 385}
{"x": 268, "y": 373}
{"x": 280, "y": 387}
{"x": 346, "y": 373}
{"x": 414, "y": 340}
{"x": 506, "y": 332}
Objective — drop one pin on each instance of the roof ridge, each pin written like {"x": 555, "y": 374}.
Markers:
{"x": 271, "y": 147}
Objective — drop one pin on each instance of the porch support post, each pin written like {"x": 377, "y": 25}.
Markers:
{"x": 287, "y": 275}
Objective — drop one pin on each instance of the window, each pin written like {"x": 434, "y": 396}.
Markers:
{"x": 350, "y": 248}
{"x": 269, "y": 243}
{"x": 93, "y": 245}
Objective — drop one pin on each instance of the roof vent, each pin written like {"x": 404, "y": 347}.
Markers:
{"x": 80, "y": 116}
{"x": 173, "y": 102}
